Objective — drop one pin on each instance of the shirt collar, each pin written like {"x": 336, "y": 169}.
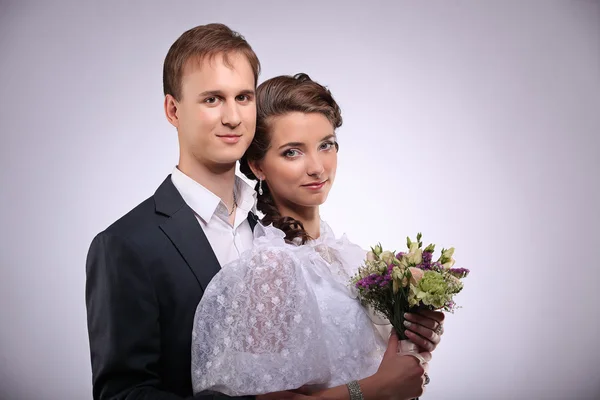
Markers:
{"x": 205, "y": 203}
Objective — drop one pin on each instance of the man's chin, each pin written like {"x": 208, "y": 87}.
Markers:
{"x": 227, "y": 157}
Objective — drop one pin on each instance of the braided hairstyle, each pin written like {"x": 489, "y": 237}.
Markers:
{"x": 276, "y": 97}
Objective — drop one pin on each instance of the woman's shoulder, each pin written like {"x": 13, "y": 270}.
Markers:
{"x": 269, "y": 236}
{"x": 341, "y": 242}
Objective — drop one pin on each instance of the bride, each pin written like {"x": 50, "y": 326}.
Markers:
{"x": 284, "y": 316}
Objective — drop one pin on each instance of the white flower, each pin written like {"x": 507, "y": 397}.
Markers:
{"x": 275, "y": 300}
{"x": 229, "y": 319}
{"x": 449, "y": 264}
{"x": 260, "y": 307}
{"x": 297, "y": 318}
{"x": 265, "y": 288}
{"x": 370, "y": 256}
{"x": 387, "y": 257}
{"x": 446, "y": 258}
{"x": 415, "y": 257}
{"x": 448, "y": 253}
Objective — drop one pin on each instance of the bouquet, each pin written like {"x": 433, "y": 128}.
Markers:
{"x": 393, "y": 284}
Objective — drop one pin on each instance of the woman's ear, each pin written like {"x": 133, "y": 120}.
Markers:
{"x": 257, "y": 170}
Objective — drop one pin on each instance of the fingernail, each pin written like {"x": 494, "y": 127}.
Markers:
{"x": 407, "y": 324}
{"x": 406, "y": 315}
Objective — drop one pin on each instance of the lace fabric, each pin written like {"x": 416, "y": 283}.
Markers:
{"x": 284, "y": 316}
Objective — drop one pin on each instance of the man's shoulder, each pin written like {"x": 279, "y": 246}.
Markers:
{"x": 143, "y": 218}
{"x": 138, "y": 219}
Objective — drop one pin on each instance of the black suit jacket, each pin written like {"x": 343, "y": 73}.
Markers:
{"x": 145, "y": 276}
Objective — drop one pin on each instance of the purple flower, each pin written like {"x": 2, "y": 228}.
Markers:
{"x": 427, "y": 258}
{"x": 459, "y": 272}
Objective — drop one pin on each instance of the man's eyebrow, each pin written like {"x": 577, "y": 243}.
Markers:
{"x": 221, "y": 94}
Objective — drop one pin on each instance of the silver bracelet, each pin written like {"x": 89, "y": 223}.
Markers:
{"x": 354, "y": 390}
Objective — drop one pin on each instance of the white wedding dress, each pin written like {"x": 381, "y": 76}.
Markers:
{"x": 284, "y": 316}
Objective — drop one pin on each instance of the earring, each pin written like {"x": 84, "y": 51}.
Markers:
{"x": 260, "y": 191}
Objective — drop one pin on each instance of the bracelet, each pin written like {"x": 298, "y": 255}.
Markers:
{"x": 354, "y": 390}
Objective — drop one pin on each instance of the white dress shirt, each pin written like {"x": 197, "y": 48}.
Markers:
{"x": 228, "y": 242}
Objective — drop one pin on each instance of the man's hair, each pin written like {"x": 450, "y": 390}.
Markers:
{"x": 200, "y": 43}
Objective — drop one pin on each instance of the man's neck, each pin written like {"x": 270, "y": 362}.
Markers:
{"x": 220, "y": 180}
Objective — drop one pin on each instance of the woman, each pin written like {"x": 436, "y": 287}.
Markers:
{"x": 284, "y": 316}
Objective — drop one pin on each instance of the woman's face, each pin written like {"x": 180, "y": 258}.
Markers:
{"x": 301, "y": 162}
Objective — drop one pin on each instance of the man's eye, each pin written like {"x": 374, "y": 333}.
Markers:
{"x": 210, "y": 100}
{"x": 242, "y": 97}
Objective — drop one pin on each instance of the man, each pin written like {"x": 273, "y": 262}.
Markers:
{"x": 147, "y": 271}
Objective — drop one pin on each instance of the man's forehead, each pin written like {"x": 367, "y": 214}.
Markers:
{"x": 211, "y": 62}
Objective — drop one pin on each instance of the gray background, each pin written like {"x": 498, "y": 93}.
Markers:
{"x": 474, "y": 122}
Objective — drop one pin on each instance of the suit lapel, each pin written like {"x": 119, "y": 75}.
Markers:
{"x": 185, "y": 233}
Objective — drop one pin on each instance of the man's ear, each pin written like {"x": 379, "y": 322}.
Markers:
{"x": 171, "y": 108}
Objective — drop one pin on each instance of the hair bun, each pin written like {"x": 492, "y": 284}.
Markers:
{"x": 302, "y": 77}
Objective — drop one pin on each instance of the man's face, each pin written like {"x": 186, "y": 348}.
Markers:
{"x": 216, "y": 115}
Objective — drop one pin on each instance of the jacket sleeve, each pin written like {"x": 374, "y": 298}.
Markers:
{"x": 123, "y": 324}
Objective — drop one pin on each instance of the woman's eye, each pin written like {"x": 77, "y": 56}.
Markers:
{"x": 327, "y": 145}
{"x": 291, "y": 153}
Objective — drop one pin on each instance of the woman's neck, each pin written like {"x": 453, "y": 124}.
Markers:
{"x": 309, "y": 216}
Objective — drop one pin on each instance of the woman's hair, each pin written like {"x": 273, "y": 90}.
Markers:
{"x": 276, "y": 97}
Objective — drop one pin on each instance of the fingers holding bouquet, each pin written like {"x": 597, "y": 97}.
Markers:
{"x": 411, "y": 290}
{"x": 424, "y": 328}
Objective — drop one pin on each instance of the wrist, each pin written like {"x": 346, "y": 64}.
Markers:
{"x": 372, "y": 387}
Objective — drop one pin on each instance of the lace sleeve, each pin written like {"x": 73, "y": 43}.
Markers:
{"x": 258, "y": 329}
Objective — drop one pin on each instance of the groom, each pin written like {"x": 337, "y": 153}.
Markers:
{"x": 147, "y": 271}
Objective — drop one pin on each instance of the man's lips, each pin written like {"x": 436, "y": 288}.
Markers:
{"x": 230, "y": 138}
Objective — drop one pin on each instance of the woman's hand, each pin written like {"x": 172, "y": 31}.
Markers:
{"x": 425, "y": 328}
{"x": 399, "y": 376}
